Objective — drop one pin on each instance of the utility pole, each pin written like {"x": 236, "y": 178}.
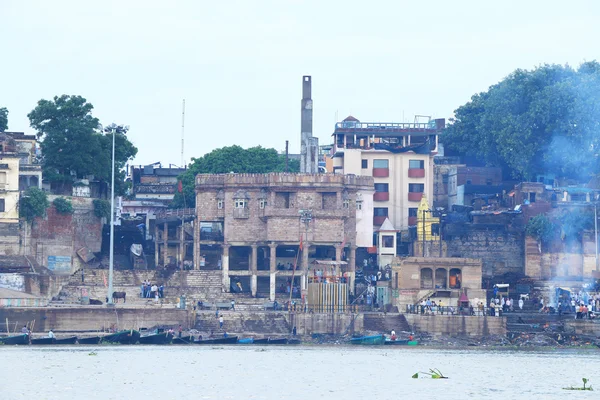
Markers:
{"x": 423, "y": 228}
{"x": 114, "y": 129}
{"x": 596, "y": 231}
{"x": 287, "y": 143}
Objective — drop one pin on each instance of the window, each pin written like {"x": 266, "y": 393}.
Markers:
{"x": 416, "y": 187}
{"x": 382, "y": 187}
{"x": 346, "y": 204}
{"x": 532, "y": 197}
{"x": 444, "y": 178}
{"x": 435, "y": 229}
{"x": 241, "y": 203}
{"x": 220, "y": 204}
{"x": 2, "y": 205}
{"x": 416, "y": 164}
{"x": 365, "y": 164}
{"x": 262, "y": 203}
{"x": 380, "y": 164}
{"x": 388, "y": 241}
{"x": 413, "y": 212}
{"x": 359, "y": 205}
{"x": 380, "y": 211}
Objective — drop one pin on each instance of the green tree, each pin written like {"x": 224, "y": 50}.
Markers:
{"x": 541, "y": 228}
{"x": 33, "y": 203}
{"x": 534, "y": 122}
{"x": 3, "y": 119}
{"x": 254, "y": 160}
{"x": 63, "y": 206}
{"x": 73, "y": 144}
{"x": 102, "y": 208}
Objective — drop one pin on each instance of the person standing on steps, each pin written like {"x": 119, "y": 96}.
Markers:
{"x": 232, "y": 305}
{"x": 221, "y": 322}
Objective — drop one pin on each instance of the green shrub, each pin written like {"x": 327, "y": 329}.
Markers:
{"x": 33, "y": 203}
{"x": 102, "y": 208}
{"x": 63, "y": 206}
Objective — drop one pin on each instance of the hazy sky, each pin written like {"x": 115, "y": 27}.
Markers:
{"x": 239, "y": 64}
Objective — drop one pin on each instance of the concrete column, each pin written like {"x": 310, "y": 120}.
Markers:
{"x": 156, "y": 245}
{"x": 225, "y": 265}
{"x": 273, "y": 270}
{"x": 197, "y": 243}
{"x": 165, "y": 243}
{"x": 338, "y": 258}
{"x": 304, "y": 264}
{"x": 181, "y": 245}
{"x": 351, "y": 268}
{"x": 253, "y": 268}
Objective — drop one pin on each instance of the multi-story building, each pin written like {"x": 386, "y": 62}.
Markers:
{"x": 255, "y": 227}
{"x": 399, "y": 157}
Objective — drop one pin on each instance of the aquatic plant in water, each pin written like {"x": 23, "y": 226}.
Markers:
{"x": 433, "y": 373}
{"x": 585, "y": 381}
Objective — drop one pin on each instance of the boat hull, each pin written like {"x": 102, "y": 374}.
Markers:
{"x": 90, "y": 340}
{"x": 69, "y": 340}
{"x": 368, "y": 340}
{"x": 18, "y": 339}
{"x": 122, "y": 337}
{"x": 158, "y": 338}
{"x": 246, "y": 341}
{"x": 227, "y": 340}
{"x": 42, "y": 341}
{"x": 183, "y": 340}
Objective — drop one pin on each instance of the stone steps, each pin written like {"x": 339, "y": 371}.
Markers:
{"x": 378, "y": 322}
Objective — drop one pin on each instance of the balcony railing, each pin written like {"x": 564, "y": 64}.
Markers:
{"x": 415, "y": 196}
{"x": 381, "y": 196}
{"x": 416, "y": 173}
{"x": 381, "y": 172}
{"x": 378, "y": 220}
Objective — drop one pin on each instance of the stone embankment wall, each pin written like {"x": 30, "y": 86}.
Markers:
{"x": 457, "y": 325}
{"x": 89, "y": 319}
{"x": 54, "y": 240}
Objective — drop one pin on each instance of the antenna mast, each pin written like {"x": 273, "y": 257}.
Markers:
{"x": 182, "y": 132}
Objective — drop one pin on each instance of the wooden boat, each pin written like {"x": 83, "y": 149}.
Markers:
{"x": 41, "y": 341}
{"x": 183, "y": 340}
{"x": 404, "y": 342}
{"x": 278, "y": 341}
{"x": 90, "y": 340}
{"x": 294, "y": 341}
{"x": 17, "y": 339}
{"x": 69, "y": 340}
{"x": 246, "y": 341}
{"x": 224, "y": 340}
{"x": 156, "y": 338}
{"x": 123, "y": 337}
{"x": 368, "y": 340}
{"x": 261, "y": 341}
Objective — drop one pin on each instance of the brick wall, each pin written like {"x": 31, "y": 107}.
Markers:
{"x": 458, "y": 325}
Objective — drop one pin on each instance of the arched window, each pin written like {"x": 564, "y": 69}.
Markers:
{"x": 441, "y": 275}
{"x": 426, "y": 278}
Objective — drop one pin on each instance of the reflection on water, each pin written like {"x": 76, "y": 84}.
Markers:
{"x": 136, "y": 372}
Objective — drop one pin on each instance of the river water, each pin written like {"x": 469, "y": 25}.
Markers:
{"x": 311, "y": 372}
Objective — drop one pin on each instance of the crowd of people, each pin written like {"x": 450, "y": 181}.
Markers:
{"x": 151, "y": 290}
{"x": 583, "y": 304}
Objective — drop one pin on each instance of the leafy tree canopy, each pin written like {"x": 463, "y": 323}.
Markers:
{"x": 254, "y": 160}
{"x": 534, "y": 122}
{"x": 33, "y": 203}
{"x": 73, "y": 144}
{"x": 3, "y": 119}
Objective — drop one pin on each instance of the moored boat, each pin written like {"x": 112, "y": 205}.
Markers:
{"x": 156, "y": 338}
{"x": 294, "y": 341}
{"x": 261, "y": 341}
{"x": 68, "y": 340}
{"x": 404, "y": 342}
{"x": 42, "y": 341}
{"x": 246, "y": 341}
{"x": 224, "y": 340}
{"x": 123, "y": 337}
{"x": 368, "y": 340}
{"x": 90, "y": 340}
{"x": 278, "y": 341}
{"x": 17, "y": 339}
{"x": 183, "y": 340}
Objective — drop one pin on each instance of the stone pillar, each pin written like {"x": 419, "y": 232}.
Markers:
{"x": 273, "y": 270}
{"x": 338, "y": 258}
{"x": 165, "y": 243}
{"x": 182, "y": 245}
{"x": 351, "y": 268}
{"x": 156, "y": 245}
{"x": 225, "y": 257}
{"x": 304, "y": 265}
{"x": 253, "y": 268}
{"x": 197, "y": 243}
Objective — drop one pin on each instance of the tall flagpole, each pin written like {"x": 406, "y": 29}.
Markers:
{"x": 112, "y": 223}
